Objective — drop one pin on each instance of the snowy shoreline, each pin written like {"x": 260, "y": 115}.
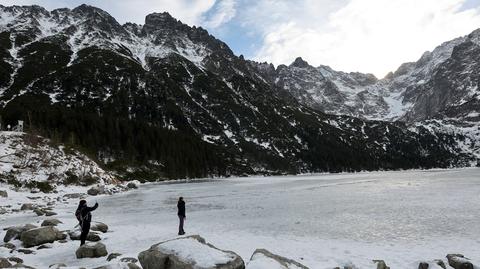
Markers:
{"x": 370, "y": 215}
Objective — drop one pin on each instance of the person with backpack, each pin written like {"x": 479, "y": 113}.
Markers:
{"x": 84, "y": 218}
{"x": 181, "y": 215}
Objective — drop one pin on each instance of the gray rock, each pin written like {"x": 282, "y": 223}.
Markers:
{"x": 44, "y": 247}
{"x": 39, "y": 212}
{"x": 21, "y": 265}
{"x": 99, "y": 227}
{"x": 3, "y": 194}
{"x": 440, "y": 263}
{"x": 458, "y": 261}
{"x": 113, "y": 256}
{"x": 129, "y": 260}
{"x": 3, "y": 211}
{"x": 119, "y": 265}
{"x": 51, "y": 222}
{"x": 39, "y": 236}
{"x": 15, "y": 259}
{"x": 381, "y": 264}
{"x": 50, "y": 213}
{"x": 9, "y": 246}
{"x": 16, "y": 232}
{"x": 157, "y": 258}
{"x": 91, "y": 250}
{"x": 282, "y": 261}
{"x": 423, "y": 265}
{"x": 26, "y": 251}
{"x": 27, "y": 206}
{"x": 92, "y": 236}
{"x": 4, "y": 263}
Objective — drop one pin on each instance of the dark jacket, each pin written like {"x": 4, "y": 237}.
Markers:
{"x": 86, "y": 216}
{"x": 181, "y": 208}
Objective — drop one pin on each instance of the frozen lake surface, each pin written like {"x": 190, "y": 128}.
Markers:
{"x": 323, "y": 221}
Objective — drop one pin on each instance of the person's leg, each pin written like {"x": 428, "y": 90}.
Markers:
{"x": 180, "y": 226}
{"x": 85, "y": 231}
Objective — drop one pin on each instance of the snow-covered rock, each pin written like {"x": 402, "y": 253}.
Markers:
{"x": 189, "y": 252}
{"x": 51, "y": 222}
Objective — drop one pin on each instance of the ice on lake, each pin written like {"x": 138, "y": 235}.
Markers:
{"x": 322, "y": 221}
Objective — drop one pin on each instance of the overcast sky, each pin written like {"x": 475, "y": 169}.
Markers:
{"x": 373, "y": 36}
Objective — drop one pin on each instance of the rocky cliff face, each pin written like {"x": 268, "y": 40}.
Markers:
{"x": 171, "y": 98}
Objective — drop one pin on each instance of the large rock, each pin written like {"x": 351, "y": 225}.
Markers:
{"x": 27, "y": 206}
{"x": 16, "y": 232}
{"x": 91, "y": 236}
{"x": 99, "y": 227}
{"x": 3, "y": 194}
{"x": 263, "y": 259}
{"x": 51, "y": 222}
{"x": 458, "y": 261}
{"x": 4, "y": 263}
{"x": 39, "y": 236}
{"x": 91, "y": 250}
{"x": 119, "y": 266}
{"x": 74, "y": 195}
{"x": 188, "y": 253}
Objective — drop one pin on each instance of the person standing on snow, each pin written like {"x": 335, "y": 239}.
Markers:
{"x": 181, "y": 215}
{"x": 84, "y": 218}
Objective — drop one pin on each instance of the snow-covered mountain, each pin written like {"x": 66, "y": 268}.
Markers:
{"x": 172, "y": 99}
{"x": 442, "y": 83}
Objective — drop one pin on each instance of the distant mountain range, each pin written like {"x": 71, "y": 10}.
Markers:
{"x": 166, "y": 100}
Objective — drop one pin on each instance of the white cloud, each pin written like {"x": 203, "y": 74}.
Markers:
{"x": 224, "y": 11}
{"x": 364, "y": 35}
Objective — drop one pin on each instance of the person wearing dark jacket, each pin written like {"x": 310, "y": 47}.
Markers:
{"x": 84, "y": 218}
{"x": 181, "y": 215}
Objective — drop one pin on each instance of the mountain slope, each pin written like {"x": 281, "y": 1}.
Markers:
{"x": 165, "y": 100}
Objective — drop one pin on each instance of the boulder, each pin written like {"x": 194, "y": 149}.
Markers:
{"x": 92, "y": 236}
{"x": 381, "y": 264}
{"x": 188, "y": 253}
{"x": 458, "y": 261}
{"x": 3, "y": 194}
{"x": 99, "y": 227}
{"x": 39, "y": 236}
{"x": 3, "y": 211}
{"x": 91, "y": 250}
{"x": 263, "y": 259}
{"x": 16, "y": 232}
{"x": 440, "y": 263}
{"x": 27, "y": 206}
{"x": 51, "y": 222}
{"x": 4, "y": 263}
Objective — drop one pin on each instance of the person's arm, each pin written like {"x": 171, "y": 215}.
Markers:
{"x": 92, "y": 208}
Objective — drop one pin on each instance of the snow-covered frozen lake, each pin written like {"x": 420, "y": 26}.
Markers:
{"x": 322, "y": 221}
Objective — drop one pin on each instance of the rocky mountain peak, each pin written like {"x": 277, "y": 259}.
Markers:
{"x": 300, "y": 63}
